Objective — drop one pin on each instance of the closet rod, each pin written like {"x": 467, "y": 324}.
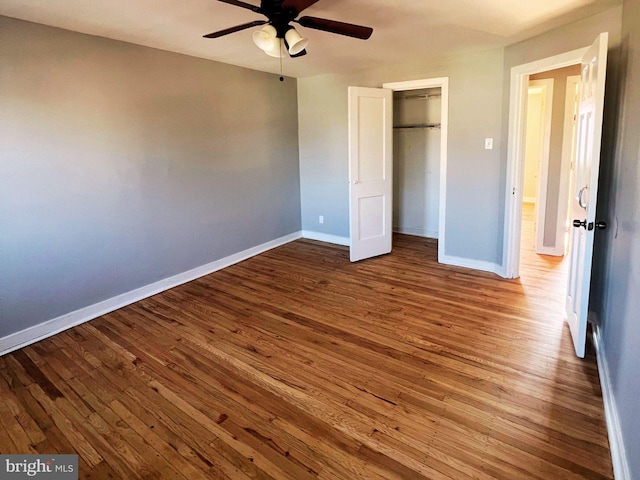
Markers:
{"x": 419, "y": 125}
{"x": 422, "y": 95}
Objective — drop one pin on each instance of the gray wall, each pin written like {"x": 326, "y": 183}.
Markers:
{"x": 475, "y": 108}
{"x": 618, "y": 291}
{"x": 553, "y": 199}
{"x": 122, "y": 165}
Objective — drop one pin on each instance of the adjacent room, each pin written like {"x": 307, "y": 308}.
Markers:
{"x": 327, "y": 240}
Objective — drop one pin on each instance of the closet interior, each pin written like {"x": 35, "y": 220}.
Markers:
{"x": 416, "y": 161}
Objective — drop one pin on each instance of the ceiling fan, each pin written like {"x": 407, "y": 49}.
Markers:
{"x": 278, "y": 36}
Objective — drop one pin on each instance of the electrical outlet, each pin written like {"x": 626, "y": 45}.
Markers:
{"x": 488, "y": 143}
{"x": 321, "y": 219}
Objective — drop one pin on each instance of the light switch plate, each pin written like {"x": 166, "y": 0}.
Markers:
{"x": 488, "y": 143}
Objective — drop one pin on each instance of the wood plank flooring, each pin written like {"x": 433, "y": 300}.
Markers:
{"x": 297, "y": 364}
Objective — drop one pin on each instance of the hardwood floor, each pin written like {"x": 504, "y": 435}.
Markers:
{"x": 297, "y": 364}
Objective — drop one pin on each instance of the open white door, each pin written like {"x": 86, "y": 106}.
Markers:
{"x": 370, "y": 171}
{"x": 583, "y": 206}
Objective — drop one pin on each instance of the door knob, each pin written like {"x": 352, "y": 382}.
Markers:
{"x": 578, "y": 223}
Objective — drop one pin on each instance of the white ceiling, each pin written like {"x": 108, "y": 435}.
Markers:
{"x": 402, "y": 30}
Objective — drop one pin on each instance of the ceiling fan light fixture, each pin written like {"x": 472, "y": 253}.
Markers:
{"x": 296, "y": 43}
{"x": 265, "y": 38}
{"x": 277, "y": 37}
{"x": 278, "y": 49}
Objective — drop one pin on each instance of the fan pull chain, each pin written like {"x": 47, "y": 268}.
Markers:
{"x": 281, "y": 77}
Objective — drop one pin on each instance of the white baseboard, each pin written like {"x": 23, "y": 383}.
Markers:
{"x": 325, "y": 237}
{"x": 446, "y": 259}
{"x": 469, "y": 263}
{"x": 418, "y": 232}
{"x": 616, "y": 443}
{"x": 552, "y": 251}
{"x": 48, "y": 328}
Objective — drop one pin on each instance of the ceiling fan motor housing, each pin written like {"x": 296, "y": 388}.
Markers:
{"x": 279, "y": 16}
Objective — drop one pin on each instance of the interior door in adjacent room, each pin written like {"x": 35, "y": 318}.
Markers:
{"x": 370, "y": 171}
{"x": 537, "y": 152}
{"x": 583, "y": 203}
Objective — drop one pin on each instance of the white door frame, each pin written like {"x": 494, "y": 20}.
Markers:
{"x": 515, "y": 152}
{"x": 546, "y": 85}
{"x": 443, "y": 84}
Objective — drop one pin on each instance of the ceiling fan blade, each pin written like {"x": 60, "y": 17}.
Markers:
{"x": 298, "y": 5}
{"x": 238, "y": 3}
{"x": 341, "y": 28}
{"x": 237, "y": 28}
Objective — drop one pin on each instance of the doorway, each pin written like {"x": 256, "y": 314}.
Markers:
{"x": 593, "y": 65}
{"x": 520, "y": 78}
{"x": 416, "y": 161}
{"x": 536, "y": 156}
{"x": 550, "y": 135}
{"x": 420, "y": 157}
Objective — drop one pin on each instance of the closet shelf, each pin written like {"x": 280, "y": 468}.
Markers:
{"x": 419, "y": 125}
{"x": 421, "y": 96}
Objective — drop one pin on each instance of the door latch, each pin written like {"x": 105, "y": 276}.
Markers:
{"x": 590, "y": 226}
{"x": 578, "y": 223}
